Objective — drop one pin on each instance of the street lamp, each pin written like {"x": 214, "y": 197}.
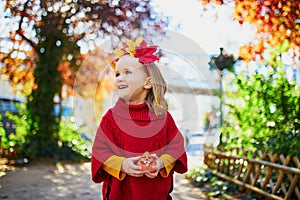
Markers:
{"x": 220, "y": 63}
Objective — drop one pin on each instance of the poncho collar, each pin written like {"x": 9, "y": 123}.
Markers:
{"x": 137, "y": 112}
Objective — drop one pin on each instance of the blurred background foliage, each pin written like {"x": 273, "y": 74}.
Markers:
{"x": 45, "y": 43}
{"x": 264, "y": 114}
{"x": 71, "y": 144}
{"x": 264, "y": 107}
{"x": 276, "y": 22}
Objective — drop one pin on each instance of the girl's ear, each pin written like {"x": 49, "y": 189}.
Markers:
{"x": 148, "y": 83}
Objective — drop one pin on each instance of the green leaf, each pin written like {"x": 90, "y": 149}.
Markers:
{"x": 284, "y": 46}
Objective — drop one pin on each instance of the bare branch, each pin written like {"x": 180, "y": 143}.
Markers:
{"x": 21, "y": 33}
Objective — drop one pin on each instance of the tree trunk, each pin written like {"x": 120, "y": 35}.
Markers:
{"x": 44, "y": 126}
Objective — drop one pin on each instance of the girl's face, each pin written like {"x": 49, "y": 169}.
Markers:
{"x": 132, "y": 83}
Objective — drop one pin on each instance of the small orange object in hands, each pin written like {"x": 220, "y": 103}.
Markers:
{"x": 146, "y": 161}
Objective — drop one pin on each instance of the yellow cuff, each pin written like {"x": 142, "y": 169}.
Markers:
{"x": 169, "y": 163}
{"x": 113, "y": 166}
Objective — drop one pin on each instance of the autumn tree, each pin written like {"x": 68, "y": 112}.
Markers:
{"x": 277, "y": 25}
{"x": 266, "y": 111}
{"x": 42, "y": 50}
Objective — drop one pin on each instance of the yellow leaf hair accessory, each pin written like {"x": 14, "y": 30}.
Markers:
{"x": 136, "y": 48}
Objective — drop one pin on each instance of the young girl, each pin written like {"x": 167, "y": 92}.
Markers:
{"x": 138, "y": 123}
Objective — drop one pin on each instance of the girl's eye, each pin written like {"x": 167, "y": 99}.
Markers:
{"x": 126, "y": 72}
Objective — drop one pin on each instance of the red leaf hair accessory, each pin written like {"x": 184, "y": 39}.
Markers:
{"x": 137, "y": 48}
{"x": 146, "y": 55}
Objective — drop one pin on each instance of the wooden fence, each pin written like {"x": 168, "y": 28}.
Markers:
{"x": 271, "y": 175}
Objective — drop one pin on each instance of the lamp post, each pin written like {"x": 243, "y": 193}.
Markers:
{"x": 220, "y": 63}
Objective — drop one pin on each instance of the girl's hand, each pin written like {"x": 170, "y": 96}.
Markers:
{"x": 159, "y": 165}
{"x": 130, "y": 168}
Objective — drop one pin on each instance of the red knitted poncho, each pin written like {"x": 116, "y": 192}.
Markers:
{"x": 128, "y": 131}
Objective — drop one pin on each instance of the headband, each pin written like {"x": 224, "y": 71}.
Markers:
{"x": 137, "y": 48}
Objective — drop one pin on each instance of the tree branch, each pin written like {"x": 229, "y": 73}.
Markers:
{"x": 21, "y": 33}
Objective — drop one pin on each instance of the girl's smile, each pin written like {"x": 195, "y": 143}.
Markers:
{"x": 120, "y": 87}
{"x": 132, "y": 82}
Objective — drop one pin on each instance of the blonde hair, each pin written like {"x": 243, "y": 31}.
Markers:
{"x": 155, "y": 97}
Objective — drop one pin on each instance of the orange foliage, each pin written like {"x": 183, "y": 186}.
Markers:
{"x": 276, "y": 21}
{"x": 94, "y": 79}
{"x": 245, "y": 53}
{"x": 66, "y": 73}
{"x": 19, "y": 67}
{"x": 279, "y": 19}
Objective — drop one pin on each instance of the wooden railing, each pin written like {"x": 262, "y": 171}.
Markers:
{"x": 271, "y": 175}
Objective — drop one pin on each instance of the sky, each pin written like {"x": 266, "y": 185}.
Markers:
{"x": 205, "y": 30}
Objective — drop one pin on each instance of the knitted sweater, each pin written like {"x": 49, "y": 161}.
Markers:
{"x": 128, "y": 131}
